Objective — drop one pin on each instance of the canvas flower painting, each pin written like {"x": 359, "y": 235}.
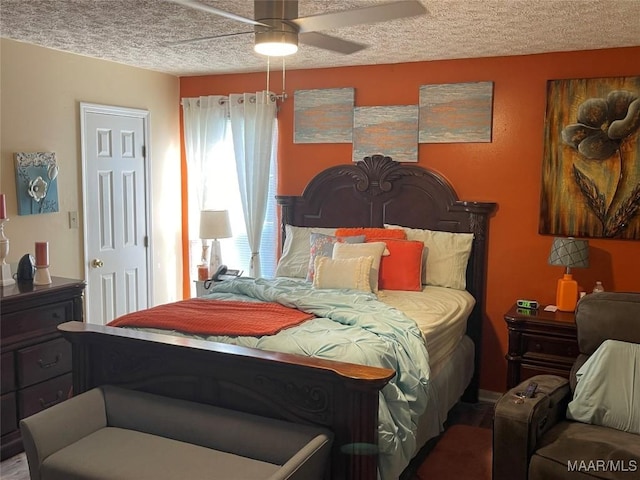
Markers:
{"x": 591, "y": 165}
{"x": 36, "y": 182}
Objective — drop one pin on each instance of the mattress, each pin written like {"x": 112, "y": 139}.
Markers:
{"x": 449, "y": 383}
{"x": 441, "y": 315}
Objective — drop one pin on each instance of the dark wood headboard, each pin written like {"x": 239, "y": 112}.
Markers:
{"x": 378, "y": 191}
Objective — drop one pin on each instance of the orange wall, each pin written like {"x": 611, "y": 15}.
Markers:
{"x": 506, "y": 171}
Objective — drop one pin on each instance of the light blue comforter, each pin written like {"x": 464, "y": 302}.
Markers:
{"x": 352, "y": 327}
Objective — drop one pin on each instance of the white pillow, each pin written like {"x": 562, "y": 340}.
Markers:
{"x": 607, "y": 389}
{"x": 446, "y": 256}
{"x": 343, "y": 273}
{"x": 294, "y": 261}
{"x": 354, "y": 250}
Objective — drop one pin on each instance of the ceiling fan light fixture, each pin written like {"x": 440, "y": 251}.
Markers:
{"x": 276, "y": 43}
{"x": 276, "y": 49}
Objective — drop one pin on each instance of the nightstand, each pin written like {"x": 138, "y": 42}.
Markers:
{"x": 200, "y": 290}
{"x": 540, "y": 342}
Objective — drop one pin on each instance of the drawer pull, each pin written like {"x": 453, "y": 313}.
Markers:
{"x": 53, "y": 402}
{"x": 538, "y": 347}
{"x": 55, "y": 315}
{"x": 44, "y": 364}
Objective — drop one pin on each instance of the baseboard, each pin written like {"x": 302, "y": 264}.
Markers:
{"x": 488, "y": 396}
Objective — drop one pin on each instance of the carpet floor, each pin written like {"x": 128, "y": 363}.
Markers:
{"x": 463, "y": 452}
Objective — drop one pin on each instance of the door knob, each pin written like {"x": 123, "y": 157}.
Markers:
{"x": 97, "y": 263}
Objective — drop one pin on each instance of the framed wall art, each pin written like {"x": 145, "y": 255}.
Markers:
{"x": 388, "y": 130}
{"x": 323, "y": 115}
{"x": 36, "y": 182}
{"x": 591, "y": 162}
{"x": 456, "y": 112}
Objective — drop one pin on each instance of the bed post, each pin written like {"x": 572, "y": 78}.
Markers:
{"x": 479, "y": 213}
{"x": 286, "y": 203}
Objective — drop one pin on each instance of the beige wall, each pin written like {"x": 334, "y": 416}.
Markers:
{"x": 40, "y": 95}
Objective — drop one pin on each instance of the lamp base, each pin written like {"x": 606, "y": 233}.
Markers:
{"x": 5, "y": 275}
{"x": 42, "y": 276}
{"x": 216, "y": 257}
{"x": 567, "y": 293}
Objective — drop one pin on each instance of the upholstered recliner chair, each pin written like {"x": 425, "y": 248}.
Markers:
{"x": 534, "y": 439}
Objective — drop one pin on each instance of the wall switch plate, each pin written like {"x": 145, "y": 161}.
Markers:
{"x": 73, "y": 219}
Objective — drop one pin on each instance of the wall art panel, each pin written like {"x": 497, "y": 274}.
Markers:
{"x": 456, "y": 112}
{"x": 390, "y": 130}
{"x": 591, "y": 160}
{"x": 36, "y": 182}
{"x": 323, "y": 116}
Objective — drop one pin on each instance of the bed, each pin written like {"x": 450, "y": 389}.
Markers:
{"x": 347, "y": 397}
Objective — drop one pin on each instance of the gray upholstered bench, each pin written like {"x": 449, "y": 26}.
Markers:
{"x": 112, "y": 433}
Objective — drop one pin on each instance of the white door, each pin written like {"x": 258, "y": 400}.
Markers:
{"x": 115, "y": 176}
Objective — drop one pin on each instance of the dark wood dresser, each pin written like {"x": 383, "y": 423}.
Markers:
{"x": 35, "y": 359}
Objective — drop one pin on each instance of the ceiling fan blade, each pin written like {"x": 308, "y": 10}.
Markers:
{"x": 203, "y": 39}
{"x": 327, "y": 42}
{"x": 207, "y": 8}
{"x": 357, "y": 16}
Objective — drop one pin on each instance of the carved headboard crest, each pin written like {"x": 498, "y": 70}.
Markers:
{"x": 375, "y": 174}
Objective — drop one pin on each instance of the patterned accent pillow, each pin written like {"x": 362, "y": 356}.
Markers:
{"x": 294, "y": 261}
{"x": 322, "y": 246}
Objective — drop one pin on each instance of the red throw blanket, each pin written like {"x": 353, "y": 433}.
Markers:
{"x": 216, "y": 317}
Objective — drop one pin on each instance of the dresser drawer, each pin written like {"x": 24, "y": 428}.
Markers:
{"x": 8, "y": 376}
{"x": 35, "y": 322}
{"x": 43, "y": 361}
{"x": 541, "y": 346}
{"x": 44, "y": 395}
{"x": 8, "y": 412}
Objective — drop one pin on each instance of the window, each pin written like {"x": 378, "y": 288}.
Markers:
{"x": 221, "y": 192}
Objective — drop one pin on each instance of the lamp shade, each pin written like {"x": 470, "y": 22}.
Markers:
{"x": 569, "y": 252}
{"x": 214, "y": 224}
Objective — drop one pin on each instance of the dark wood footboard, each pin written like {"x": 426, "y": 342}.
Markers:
{"x": 340, "y": 396}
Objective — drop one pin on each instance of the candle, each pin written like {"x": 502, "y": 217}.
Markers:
{"x": 42, "y": 254}
{"x": 203, "y": 272}
{"x": 3, "y": 207}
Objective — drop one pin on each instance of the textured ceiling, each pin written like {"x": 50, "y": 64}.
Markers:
{"x": 134, "y": 32}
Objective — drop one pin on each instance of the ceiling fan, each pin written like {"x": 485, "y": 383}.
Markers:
{"x": 278, "y": 29}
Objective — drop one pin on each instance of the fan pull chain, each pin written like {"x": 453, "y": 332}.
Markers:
{"x": 284, "y": 95}
{"x": 268, "y": 72}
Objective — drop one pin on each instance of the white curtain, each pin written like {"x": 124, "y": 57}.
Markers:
{"x": 253, "y": 119}
{"x": 205, "y": 123}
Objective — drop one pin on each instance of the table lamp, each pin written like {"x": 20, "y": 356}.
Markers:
{"x": 214, "y": 224}
{"x": 570, "y": 253}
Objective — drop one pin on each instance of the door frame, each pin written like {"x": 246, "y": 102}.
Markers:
{"x": 86, "y": 108}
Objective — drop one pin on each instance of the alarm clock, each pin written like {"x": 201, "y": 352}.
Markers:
{"x": 530, "y": 304}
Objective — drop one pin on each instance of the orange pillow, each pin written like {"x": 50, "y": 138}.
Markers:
{"x": 372, "y": 233}
{"x": 402, "y": 268}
